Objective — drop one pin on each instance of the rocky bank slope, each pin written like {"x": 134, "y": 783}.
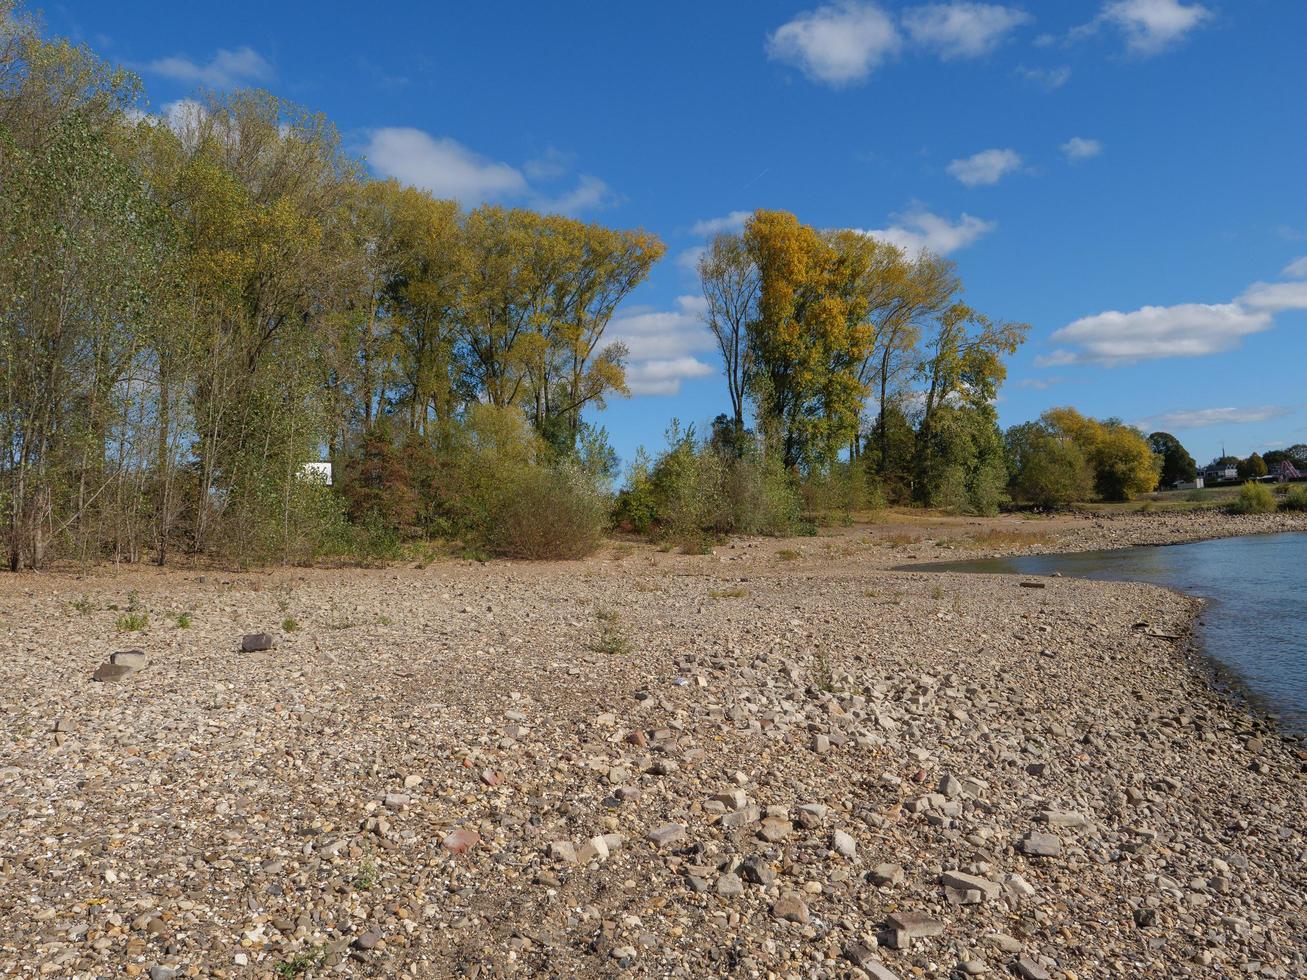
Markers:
{"x": 770, "y": 762}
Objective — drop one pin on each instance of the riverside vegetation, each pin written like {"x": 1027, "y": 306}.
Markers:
{"x": 197, "y": 305}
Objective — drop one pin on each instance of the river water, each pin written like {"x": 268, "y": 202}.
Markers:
{"x": 1255, "y": 623}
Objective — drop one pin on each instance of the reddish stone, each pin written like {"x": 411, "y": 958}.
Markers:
{"x": 461, "y": 839}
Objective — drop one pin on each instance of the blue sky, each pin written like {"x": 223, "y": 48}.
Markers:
{"x": 1128, "y": 176}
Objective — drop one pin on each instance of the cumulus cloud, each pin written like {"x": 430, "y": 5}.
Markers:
{"x": 441, "y": 165}
{"x": 449, "y": 169}
{"x": 985, "y": 167}
{"x": 1049, "y": 78}
{"x": 1186, "y": 330}
{"x": 226, "y": 69}
{"x": 920, "y": 230}
{"x": 662, "y": 345}
{"x": 1198, "y": 418}
{"x": 713, "y": 226}
{"x": 1149, "y": 26}
{"x": 962, "y": 29}
{"x": 1079, "y": 148}
{"x": 836, "y": 44}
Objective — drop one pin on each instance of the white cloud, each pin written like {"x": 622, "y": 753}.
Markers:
{"x": 689, "y": 258}
{"x": 449, "y": 169}
{"x": 1297, "y": 269}
{"x": 442, "y": 166}
{"x": 962, "y": 29}
{"x": 713, "y": 226}
{"x": 662, "y": 345}
{"x": 1150, "y": 26}
{"x": 225, "y": 70}
{"x": 985, "y": 167}
{"x": 918, "y": 230}
{"x": 1201, "y": 417}
{"x": 1049, "y": 78}
{"x": 1187, "y": 330}
{"x": 1267, "y": 297}
{"x": 836, "y": 44}
{"x": 1079, "y": 148}
{"x": 590, "y": 193}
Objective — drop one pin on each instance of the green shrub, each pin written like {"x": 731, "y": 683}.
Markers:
{"x": 1296, "y": 499}
{"x": 1254, "y": 498}
{"x": 696, "y": 491}
{"x": 546, "y": 512}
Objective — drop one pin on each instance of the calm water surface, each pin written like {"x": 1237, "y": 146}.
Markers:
{"x": 1255, "y": 624}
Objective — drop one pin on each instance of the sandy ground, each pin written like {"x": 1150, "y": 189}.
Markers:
{"x": 778, "y": 760}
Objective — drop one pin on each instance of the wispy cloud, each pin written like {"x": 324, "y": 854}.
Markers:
{"x": 226, "y": 69}
{"x": 962, "y": 30}
{"x": 920, "y": 230}
{"x": 589, "y": 194}
{"x": 837, "y": 44}
{"x": 1200, "y": 418}
{"x": 986, "y": 167}
{"x": 1080, "y": 148}
{"x": 1048, "y": 78}
{"x": 1039, "y": 384}
{"x": 713, "y": 226}
{"x": 1297, "y": 269}
{"x": 663, "y": 345}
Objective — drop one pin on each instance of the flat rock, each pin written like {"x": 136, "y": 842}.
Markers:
{"x": 965, "y": 882}
{"x": 254, "y": 642}
{"x": 666, "y": 834}
{"x": 1040, "y": 845}
{"x": 112, "y": 672}
{"x": 916, "y": 925}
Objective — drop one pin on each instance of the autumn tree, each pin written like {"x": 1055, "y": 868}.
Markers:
{"x": 808, "y": 340}
{"x": 1122, "y": 461}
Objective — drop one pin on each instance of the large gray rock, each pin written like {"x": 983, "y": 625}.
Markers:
{"x": 254, "y": 642}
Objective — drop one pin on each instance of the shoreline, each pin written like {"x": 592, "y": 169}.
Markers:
{"x": 754, "y": 762}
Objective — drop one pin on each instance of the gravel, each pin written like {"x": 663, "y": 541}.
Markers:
{"x": 814, "y": 767}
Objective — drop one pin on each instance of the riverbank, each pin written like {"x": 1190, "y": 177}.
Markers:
{"x": 782, "y": 759}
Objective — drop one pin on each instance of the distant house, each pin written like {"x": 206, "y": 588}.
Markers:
{"x": 1218, "y": 472}
{"x": 320, "y": 472}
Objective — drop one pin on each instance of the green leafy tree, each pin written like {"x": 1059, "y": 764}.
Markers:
{"x": 1177, "y": 465}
